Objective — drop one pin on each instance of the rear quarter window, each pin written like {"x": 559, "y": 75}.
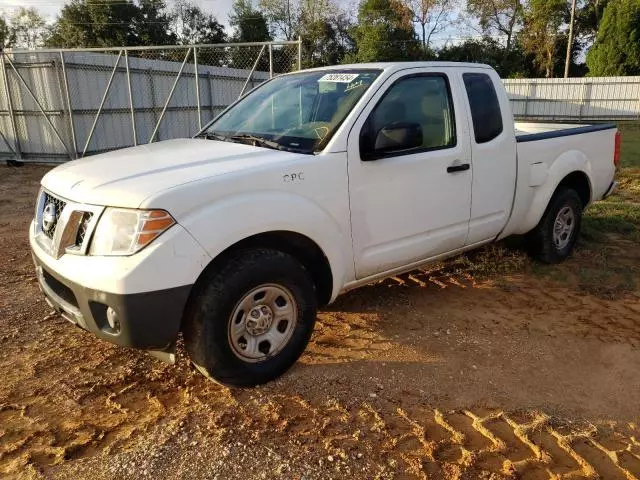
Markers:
{"x": 485, "y": 108}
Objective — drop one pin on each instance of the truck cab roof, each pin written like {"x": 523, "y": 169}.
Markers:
{"x": 395, "y": 66}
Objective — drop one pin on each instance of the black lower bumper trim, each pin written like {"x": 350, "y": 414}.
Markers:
{"x": 149, "y": 320}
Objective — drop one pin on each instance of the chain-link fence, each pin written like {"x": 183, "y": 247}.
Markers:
{"x": 57, "y": 105}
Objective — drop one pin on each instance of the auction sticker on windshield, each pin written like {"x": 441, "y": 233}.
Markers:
{"x": 339, "y": 77}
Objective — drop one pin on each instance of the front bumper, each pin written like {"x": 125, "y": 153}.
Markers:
{"x": 149, "y": 320}
{"x": 136, "y": 301}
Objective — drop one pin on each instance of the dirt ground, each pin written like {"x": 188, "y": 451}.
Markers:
{"x": 438, "y": 374}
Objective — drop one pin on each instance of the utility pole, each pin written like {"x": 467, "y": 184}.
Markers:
{"x": 567, "y": 61}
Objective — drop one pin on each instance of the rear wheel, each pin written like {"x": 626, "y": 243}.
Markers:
{"x": 556, "y": 234}
{"x": 251, "y": 319}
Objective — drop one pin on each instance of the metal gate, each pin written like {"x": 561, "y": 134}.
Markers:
{"x": 61, "y": 104}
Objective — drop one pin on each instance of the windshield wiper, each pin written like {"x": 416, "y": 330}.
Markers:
{"x": 251, "y": 140}
{"x": 256, "y": 141}
{"x": 212, "y": 136}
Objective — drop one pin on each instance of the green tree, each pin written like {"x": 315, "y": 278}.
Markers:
{"x": 385, "y": 33}
{"x": 27, "y": 27}
{"x": 321, "y": 24}
{"x": 111, "y": 23}
{"x": 152, "y": 23}
{"x": 500, "y": 17}
{"x": 325, "y": 33}
{"x": 7, "y": 36}
{"x": 321, "y": 45}
{"x": 249, "y": 24}
{"x": 193, "y": 26}
{"x": 542, "y": 36}
{"x": 283, "y": 17}
{"x": 344, "y": 26}
{"x": 83, "y": 23}
{"x": 616, "y": 50}
{"x": 508, "y": 64}
{"x": 588, "y": 18}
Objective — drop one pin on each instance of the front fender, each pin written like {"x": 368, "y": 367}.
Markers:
{"x": 230, "y": 219}
{"x": 567, "y": 163}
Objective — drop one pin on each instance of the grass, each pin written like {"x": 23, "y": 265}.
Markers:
{"x": 630, "y": 148}
{"x": 618, "y": 214}
{"x": 493, "y": 261}
{"x": 611, "y": 228}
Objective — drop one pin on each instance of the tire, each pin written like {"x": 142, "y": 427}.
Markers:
{"x": 231, "y": 338}
{"x": 565, "y": 207}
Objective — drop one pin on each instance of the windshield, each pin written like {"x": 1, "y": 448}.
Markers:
{"x": 298, "y": 112}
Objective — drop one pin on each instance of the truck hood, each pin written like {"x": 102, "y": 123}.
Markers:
{"x": 125, "y": 177}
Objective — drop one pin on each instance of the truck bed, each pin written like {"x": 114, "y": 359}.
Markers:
{"x": 532, "y": 131}
{"x": 548, "y": 152}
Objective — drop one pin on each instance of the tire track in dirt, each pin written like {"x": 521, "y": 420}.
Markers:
{"x": 561, "y": 310}
{"x": 420, "y": 441}
{"x": 111, "y": 412}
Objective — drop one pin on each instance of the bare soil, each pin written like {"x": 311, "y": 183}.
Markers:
{"x": 436, "y": 374}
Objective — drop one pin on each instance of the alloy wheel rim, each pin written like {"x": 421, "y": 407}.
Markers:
{"x": 563, "y": 227}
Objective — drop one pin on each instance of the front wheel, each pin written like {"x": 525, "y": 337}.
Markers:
{"x": 251, "y": 319}
{"x": 556, "y": 234}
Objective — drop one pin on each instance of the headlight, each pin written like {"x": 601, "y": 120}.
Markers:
{"x": 122, "y": 231}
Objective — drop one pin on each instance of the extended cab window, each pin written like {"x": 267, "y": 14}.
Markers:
{"x": 423, "y": 101}
{"x": 485, "y": 108}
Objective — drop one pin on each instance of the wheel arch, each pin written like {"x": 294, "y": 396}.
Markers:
{"x": 572, "y": 170}
{"x": 299, "y": 246}
{"x": 578, "y": 181}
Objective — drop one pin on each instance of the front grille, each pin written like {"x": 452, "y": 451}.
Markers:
{"x": 52, "y": 209}
{"x": 60, "y": 289}
{"x": 64, "y": 226}
{"x": 82, "y": 228}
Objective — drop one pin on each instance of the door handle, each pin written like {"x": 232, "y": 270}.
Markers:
{"x": 458, "y": 168}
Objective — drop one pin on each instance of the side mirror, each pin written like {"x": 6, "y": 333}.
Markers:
{"x": 391, "y": 138}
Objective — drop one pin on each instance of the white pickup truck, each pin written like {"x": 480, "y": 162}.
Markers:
{"x": 313, "y": 183}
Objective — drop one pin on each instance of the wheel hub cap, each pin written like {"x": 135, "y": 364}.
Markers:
{"x": 259, "y": 320}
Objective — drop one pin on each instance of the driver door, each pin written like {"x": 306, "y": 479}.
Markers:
{"x": 411, "y": 204}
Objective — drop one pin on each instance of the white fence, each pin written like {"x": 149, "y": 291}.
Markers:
{"x": 57, "y": 105}
{"x": 575, "y": 99}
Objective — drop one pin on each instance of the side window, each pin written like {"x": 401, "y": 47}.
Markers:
{"x": 424, "y": 101}
{"x": 485, "y": 108}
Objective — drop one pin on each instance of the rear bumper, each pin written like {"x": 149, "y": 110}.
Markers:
{"x": 149, "y": 320}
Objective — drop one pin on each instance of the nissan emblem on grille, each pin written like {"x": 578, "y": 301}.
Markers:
{"x": 49, "y": 216}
